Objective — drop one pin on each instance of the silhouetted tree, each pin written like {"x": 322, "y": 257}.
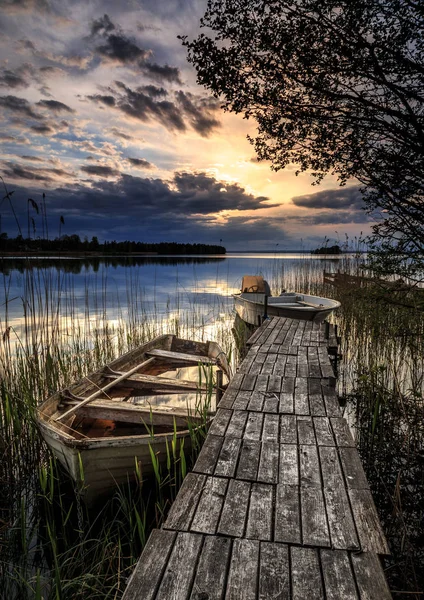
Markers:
{"x": 335, "y": 86}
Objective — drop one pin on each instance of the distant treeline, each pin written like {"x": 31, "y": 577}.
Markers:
{"x": 73, "y": 243}
{"x": 327, "y": 250}
{"x": 77, "y": 265}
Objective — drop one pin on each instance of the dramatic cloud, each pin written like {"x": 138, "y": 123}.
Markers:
{"x": 11, "y": 170}
{"x": 100, "y": 170}
{"x": 140, "y": 163}
{"x": 162, "y": 72}
{"x": 200, "y": 117}
{"x": 342, "y": 197}
{"x": 175, "y": 113}
{"x": 102, "y": 99}
{"x": 19, "y": 106}
{"x": 55, "y": 106}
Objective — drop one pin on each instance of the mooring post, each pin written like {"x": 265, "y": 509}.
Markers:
{"x": 219, "y": 376}
{"x": 327, "y": 330}
{"x": 265, "y": 307}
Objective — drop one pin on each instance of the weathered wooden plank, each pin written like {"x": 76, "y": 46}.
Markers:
{"x": 271, "y": 402}
{"x": 228, "y": 398}
{"x": 182, "y": 510}
{"x": 234, "y": 512}
{"x": 147, "y": 574}
{"x": 254, "y": 423}
{"x": 280, "y": 364}
{"x": 256, "y": 401}
{"x": 288, "y": 429}
{"x": 287, "y": 395}
{"x": 305, "y": 574}
{"x": 287, "y": 514}
{"x": 237, "y": 423}
{"x": 367, "y": 523}
{"x": 314, "y": 368}
{"x": 261, "y": 383}
{"x": 289, "y": 465}
{"x": 220, "y": 422}
{"x": 274, "y": 384}
{"x": 259, "y": 520}
{"x": 330, "y": 467}
{"x": 301, "y": 401}
{"x": 338, "y": 577}
{"x": 341, "y": 432}
{"x": 243, "y": 573}
{"x": 297, "y": 338}
{"x": 211, "y": 571}
{"x": 274, "y": 572}
{"x": 236, "y": 381}
{"x": 314, "y": 520}
{"x": 370, "y": 577}
{"x": 249, "y": 460}
{"x": 248, "y": 383}
{"x": 302, "y": 362}
{"x": 305, "y": 430}
{"x": 242, "y": 400}
{"x": 268, "y": 463}
{"x": 210, "y": 504}
{"x": 228, "y": 456}
{"x": 291, "y": 366}
{"x": 323, "y": 431}
{"x": 268, "y": 365}
{"x": 271, "y": 426}
{"x": 247, "y": 363}
{"x": 208, "y": 456}
{"x": 340, "y": 520}
{"x": 176, "y": 582}
{"x": 316, "y": 405}
{"x": 353, "y": 469}
{"x": 325, "y": 363}
{"x": 309, "y": 466}
{"x": 331, "y": 401}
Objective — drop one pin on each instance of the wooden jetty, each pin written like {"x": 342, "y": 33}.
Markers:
{"x": 277, "y": 505}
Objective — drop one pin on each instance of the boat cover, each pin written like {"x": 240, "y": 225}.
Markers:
{"x": 254, "y": 283}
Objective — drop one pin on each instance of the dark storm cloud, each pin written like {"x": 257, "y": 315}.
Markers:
{"x": 55, "y": 106}
{"x": 100, "y": 170}
{"x": 200, "y": 119}
{"x": 15, "y": 171}
{"x": 19, "y": 106}
{"x": 143, "y": 104}
{"x": 333, "y": 217}
{"x": 140, "y": 106}
{"x": 118, "y": 48}
{"x": 140, "y": 163}
{"x": 162, "y": 73}
{"x": 32, "y": 158}
{"x": 102, "y": 99}
{"x": 344, "y": 197}
{"x": 102, "y": 25}
{"x": 13, "y": 79}
{"x": 153, "y": 91}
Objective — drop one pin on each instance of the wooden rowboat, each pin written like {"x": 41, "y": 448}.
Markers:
{"x": 100, "y": 427}
{"x": 255, "y": 300}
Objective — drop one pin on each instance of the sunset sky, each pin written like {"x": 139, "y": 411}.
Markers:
{"x": 101, "y": 112}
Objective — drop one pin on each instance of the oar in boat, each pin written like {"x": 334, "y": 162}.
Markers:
{"x": 105, "y": 388}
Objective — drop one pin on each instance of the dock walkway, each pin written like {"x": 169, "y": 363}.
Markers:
{"x": 278, "y": 505}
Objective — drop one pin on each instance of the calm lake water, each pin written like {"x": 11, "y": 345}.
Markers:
{"x": 159, "y": 287}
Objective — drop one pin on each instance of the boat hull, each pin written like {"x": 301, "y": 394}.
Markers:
{"x": 252, "y": 310}
{"x": 98, "y": 466}
{"x": 103, "y": 440}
